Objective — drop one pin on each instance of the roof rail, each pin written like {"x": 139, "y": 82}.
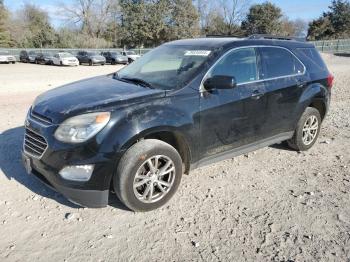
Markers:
{"x": 267, "y": 36}
{"x": 218, "y": 36}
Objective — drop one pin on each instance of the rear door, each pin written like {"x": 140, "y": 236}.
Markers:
{"x": 284, "y": 77}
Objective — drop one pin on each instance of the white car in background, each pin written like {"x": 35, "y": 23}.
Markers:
{"x": 131, "y": 55}
{"x": 5, "y": 57}
{"x": 65, "y": 58}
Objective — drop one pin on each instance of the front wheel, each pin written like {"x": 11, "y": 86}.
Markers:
{"x": 148, "y": 175}
{"x": 90, "y": 63}
{"x": 307, "y": 130}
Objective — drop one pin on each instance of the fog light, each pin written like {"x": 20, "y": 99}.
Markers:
{"x": 77, "y": 173}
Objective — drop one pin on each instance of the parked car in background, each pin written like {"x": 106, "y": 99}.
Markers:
{"x": 91, "y": 58}
{"x": 5, "y": 57}
{"x": 44, "y": 58}
{"x": 131, "y": 55}
{"x": 115, "y": 58}
{"x": 27, "y": 56}
{"x": 65, "y": 58}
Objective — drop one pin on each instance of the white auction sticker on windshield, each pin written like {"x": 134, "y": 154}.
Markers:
{"x": 197, "y": 53}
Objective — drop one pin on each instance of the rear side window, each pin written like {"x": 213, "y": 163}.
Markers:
{"x": 279, "y": 62}
{"x": 240, "y": 64}
{"x": 312, "y": 59}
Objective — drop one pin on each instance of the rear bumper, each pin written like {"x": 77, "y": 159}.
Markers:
{"x": 83, "y": 197}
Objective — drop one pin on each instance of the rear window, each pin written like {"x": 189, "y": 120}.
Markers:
{"x": 279, "y": 62}
{"x": 313, "y": 60}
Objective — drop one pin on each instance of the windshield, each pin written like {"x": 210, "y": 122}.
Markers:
{"x": 167, "y": 67}
{"x": 3, "y": 53}
{"x": 65, "y": 55}
{"x": 130, "y": 53}
{"x": 92, "y": 54}
{"x": 115, "y": 53}
{"x": 31, "y": 53}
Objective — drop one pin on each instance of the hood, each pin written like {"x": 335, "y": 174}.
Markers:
{"x": 7, "y": 56}
{"x": 99, "y": 57}
{"x": 69, "y": 57}
{"x": 89, "y": 95}
{"x": 120, "y": 56}
{"x": 134, "y": 56}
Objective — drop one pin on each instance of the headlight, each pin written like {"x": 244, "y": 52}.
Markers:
{"x": 80, "y": 128}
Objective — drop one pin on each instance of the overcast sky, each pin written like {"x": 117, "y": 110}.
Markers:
{"x": 304, "y": 9}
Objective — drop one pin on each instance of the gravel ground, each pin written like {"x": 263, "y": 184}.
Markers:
{"x": 272, "y": 204}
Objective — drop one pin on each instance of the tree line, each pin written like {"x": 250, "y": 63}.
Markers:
{"x": 148, "y": 23}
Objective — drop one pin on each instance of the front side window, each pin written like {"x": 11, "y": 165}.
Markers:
{"x": 279, "y": 62}
{"x": 240, "y": 64}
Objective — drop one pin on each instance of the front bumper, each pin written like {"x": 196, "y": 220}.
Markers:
{"x": 57, "y": 155}
{"x": 99, "y": 62}
{"x": 86, "y": 198}
{"x": 69, "y": 63}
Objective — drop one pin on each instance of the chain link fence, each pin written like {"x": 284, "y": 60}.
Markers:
{"x": 333, "y": 46}
{"x": 329, "y": 46}
{"x": 15, "y": 51}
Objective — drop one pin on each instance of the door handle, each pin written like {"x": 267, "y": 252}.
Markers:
{"x": 256, "y": 94}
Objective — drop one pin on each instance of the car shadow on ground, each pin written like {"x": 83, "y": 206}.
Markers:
{"x": 282, "y": 146}
{"x": 11, "y": 165}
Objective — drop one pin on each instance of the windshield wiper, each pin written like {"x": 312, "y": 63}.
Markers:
{"x": 137, "y": 81}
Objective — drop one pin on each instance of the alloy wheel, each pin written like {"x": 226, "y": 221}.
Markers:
{"x": 310, "y": 130}
{"x": 154, "y": 179}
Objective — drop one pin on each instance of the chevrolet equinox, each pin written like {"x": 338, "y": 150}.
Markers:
{"x": 183, "y": 105}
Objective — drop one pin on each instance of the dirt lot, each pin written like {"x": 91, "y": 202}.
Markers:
{"x": 273, "y": 204}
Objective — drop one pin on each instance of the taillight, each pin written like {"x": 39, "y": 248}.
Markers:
{"x": 330, "y": 79}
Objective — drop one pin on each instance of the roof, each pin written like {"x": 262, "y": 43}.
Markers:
{"x": 217, "y": 42}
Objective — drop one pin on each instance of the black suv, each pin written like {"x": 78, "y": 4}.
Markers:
{"x": 27, "y": 56}
{"x": 44, "y": 58}
{"x": 183, "y": 105}
{"x": 91, "y": 58}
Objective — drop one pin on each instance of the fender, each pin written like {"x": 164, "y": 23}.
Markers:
{"x": 315, "y": 92}
{"x": 174, "y": 114}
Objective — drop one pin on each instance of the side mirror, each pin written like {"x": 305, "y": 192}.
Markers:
{"x": 220, "y": 82}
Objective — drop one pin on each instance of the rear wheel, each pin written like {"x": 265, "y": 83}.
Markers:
{"x": 307, "y": 131}
{"x": 90, "y": 63}
{"x": 148, "y": 175}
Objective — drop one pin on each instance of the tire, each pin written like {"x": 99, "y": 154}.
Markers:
{"x": 135, "y": 161}
{"x": 304, "y": 140}
{"x": 103, "y": 64}
{"x": 113, "y": 62}
{"x": 13, "y": 63}
{"x": 130, "y": 60}
{"x": 90, "y": 63}
{"x": 61, "y": 63}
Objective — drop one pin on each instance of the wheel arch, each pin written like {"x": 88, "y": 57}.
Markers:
{"x": 320, "y": 105}
{"x": 167, "y": 135}
{"x": 316, "y": 96}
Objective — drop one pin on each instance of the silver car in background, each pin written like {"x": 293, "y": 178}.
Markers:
{"x": 6, "y": 58}
{"x": 65, "y": 58}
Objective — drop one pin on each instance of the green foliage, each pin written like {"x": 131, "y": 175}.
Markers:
{"x": 263, "y": 18}
{"x": 332, "y": 24}
{"x": 41, "y": 33}
{"x": 5, "y": 38}
{"x": 149, "y": 23}
{"x": 219, "y": 26}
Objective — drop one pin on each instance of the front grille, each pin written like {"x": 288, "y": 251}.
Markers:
{"x": 34, "y": 143}
{"x": 40, "y": 118}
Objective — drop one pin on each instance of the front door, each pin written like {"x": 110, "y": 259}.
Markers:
{"x": 231, "y": 118}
